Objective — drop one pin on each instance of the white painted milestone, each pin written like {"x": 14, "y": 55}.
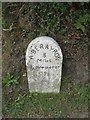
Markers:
{"x": 44, "y": 65}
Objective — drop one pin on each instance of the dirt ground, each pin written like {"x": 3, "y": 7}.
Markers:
{"x": 24, "y": 20}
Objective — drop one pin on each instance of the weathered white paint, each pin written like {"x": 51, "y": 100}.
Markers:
{"x": 44, "y": 65}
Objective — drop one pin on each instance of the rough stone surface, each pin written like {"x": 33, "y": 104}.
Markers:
{"x": 44, "y": 65}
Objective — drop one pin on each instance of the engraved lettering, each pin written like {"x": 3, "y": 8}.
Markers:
{"x": 47, "y": 47}
{"x": 36, "y": 48}
{"x": 57, "y": 55}
{"x": 41, "y": 46}
{"x": 56, "y": 67}
{"x": 52, "y": 48}
{"x": 49, "y": 67}
{"x": 39, "y": 60}
{"x": 44, "y": 55}
{"x": 55, "y": 50}
{"x": 42, "y": 67}
{"x": 31, "y": 57}
{"x": 33, "y": 51}
{"x": 50, "y": 60}
{"x": 46, "y": 67}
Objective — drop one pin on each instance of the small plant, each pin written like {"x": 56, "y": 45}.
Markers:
{"x": 58, "y": 114}
{"x": 10, "y": 80}
{"x": 82, "y": 21}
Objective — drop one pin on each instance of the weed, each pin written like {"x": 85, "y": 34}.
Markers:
{"x": 58, "y": 114}
{"x": 10, "y": 80}
{"x": 82, "y": 21}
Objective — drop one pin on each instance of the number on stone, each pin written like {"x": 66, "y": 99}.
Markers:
{"x": 44, "y": 55}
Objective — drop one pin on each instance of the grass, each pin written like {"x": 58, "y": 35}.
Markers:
{"x": 55, "y": 105}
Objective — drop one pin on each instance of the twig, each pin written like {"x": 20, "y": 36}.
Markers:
{"x": 20, "y": 9}
{"x": 9, "y": 29}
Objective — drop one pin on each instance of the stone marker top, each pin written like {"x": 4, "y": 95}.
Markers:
{"x": 44, "y": 40}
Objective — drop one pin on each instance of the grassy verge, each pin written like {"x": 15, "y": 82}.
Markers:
{"x": 69, "y": 101}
